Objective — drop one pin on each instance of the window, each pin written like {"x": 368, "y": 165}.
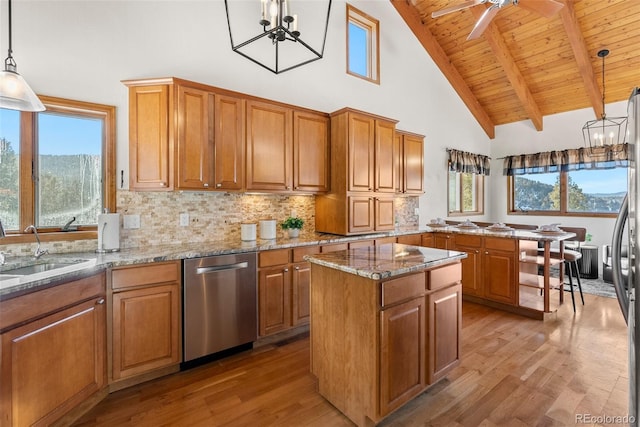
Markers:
{"x": 587, "y": 192}
{"x": 465, "y": 193}
{"x": 466, "y": 182}
{"x": 56, "y": 165}
{"x": 363, "y": 39}
{"x": 573, "y": 182}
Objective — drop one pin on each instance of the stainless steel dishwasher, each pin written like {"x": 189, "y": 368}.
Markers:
{"x": 220, "y": 309}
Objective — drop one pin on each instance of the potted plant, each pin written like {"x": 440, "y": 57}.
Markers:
{"x": 292, "y": 225}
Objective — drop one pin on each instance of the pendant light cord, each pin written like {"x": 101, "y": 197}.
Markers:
{"x": 9, "y": 61}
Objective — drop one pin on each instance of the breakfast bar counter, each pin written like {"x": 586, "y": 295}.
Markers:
{"x": 385, "y": 325}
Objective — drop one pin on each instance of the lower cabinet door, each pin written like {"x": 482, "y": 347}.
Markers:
{"x": 444, "y": 329}
{"x": 500, "y": 280}
{"x": 402, "y": 354}
{"x": 274, "y": 300}
{"x": 146, "y": 330}
{"x": 471, "y": 273}
{"x": 301, "y": 283}
{"x": 51, "y": 365}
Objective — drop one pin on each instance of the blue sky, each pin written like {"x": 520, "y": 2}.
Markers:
{"x": 601, "y": 181}
{"x": 59, "y": 134}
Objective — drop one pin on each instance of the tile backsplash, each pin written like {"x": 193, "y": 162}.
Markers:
{"x": 212, "y": 216}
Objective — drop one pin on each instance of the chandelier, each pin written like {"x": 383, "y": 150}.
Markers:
{"x": 606, "y": 131}
{"x": 273, "y": 30}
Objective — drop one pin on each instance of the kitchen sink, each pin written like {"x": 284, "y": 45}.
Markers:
{"x": 36, "y": 268}
{"x": 23, "y": 271}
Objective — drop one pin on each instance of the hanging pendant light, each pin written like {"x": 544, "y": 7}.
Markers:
{"x": 15, "y": 93}
{"x": 277, "y": 35}
{"x": 605, "y": 132}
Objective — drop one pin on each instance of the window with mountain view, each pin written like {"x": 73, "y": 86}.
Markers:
{"x": 590, "y": 192}
{"x": 53, "y": 165}
{"x": 465, "y": 193}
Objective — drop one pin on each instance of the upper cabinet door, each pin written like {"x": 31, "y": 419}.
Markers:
{"x": 229, "y": 143}
{"x": 413, "y": 162}
{"x": 269, "y": 147}
{"x": 194, "y": 164}
{"x": 385, "y": 157}
{"x": 149, "y": 155}
{"x": 310, "y": 152}
{"x": 361, "y": 152}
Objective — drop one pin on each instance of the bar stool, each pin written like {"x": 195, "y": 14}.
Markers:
{"x": 571, "y": 257}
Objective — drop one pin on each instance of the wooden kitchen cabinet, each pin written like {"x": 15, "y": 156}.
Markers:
{"x": 403, "y": 353}
{"x": 409, "y": 163}
{"x": 444, "y": 240}
{"x": 444, "y": 308}
{"x": 472, "y": 279}
{"x": 51, "y": 365}
{"x": 500, "y": 270}
{"x": 150, "y": 137}
{"x": 284, "y": 281}
{"x": 269, "y": 147}
{"x": 145, "y": 335}
{"x": 184, "y": 136}
{"x": 363, "y": 155}
{"x": 310, "y": 152}
{"x": 229, "y": 137}
{"x": 411, "y": 239}
{"x": 194, "y": 164}
{"x": 383, "y": 345}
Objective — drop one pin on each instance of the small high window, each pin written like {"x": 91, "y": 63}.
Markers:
{"x": 363, "y": 45}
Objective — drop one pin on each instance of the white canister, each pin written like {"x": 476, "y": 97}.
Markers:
{"x": 248, "y": 231}
{"x": 268, "y": 229}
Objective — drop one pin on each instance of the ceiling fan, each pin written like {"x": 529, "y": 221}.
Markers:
{"x": 546, "y": 8}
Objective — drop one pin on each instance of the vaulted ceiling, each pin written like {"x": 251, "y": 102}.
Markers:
{"x": 525, "y": 66}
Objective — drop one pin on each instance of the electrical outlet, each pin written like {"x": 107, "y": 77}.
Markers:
{"x": 184, "y": 220}
{"x": 416, "y": 211}
{"x": 131, "y": 221}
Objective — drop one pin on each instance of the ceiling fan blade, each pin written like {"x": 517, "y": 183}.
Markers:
{"x": 546, "y": 8}
{"x": 483, "y": 22}
{"x": 455, "y": 8}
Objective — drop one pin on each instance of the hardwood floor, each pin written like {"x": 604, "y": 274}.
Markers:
{"x": 514, "y": 372}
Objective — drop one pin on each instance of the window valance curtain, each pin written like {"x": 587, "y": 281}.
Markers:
{"x": 461, "y": 161}
{"x": 605, "y": 157}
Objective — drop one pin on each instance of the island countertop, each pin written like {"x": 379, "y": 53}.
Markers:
{"x": 385, "y": 261}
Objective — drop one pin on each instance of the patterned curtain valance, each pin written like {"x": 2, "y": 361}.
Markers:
{"x": 461, "y": 161}
{"x": 606, "y": 157}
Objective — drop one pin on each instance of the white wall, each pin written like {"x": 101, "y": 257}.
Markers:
{"x": 82, "y": 49}
{"x": 561, "y": 131}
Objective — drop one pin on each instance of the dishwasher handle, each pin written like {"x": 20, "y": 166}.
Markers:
{"x": 219, "y": 268}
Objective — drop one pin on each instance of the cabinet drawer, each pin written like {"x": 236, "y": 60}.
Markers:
{"x": 299, "y": 253}
{"x": 147, "y": 274}
{"x": 468, "y": 240}
{"x": 275, "y": 257}
{"x": 383, "y": 240}
{"x": 360, "y": 244}
{"x": 444, "y": 276}
{"x": 411, "y": 239}
{"x": 334, "y": 247}
{"x": 401, "y": 289}
{"x": 500, "y": 244}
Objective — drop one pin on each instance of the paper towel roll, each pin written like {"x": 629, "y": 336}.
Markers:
{"x": 108, "y": 232}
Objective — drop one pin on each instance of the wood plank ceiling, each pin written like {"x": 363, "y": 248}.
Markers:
{"x": 526, "y": 66}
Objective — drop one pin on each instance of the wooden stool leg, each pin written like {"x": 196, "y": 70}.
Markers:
{"x": 578, "y": 278}
{"x": 573, "y": 299}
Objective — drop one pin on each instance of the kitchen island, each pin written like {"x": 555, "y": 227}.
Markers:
{"x": 385, "y": 325}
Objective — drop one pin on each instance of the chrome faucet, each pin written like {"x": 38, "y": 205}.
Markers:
{"x": 38, "y": 252}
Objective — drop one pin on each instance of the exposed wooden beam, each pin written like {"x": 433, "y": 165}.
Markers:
{"x": 581, "y": 54}
{"x": 503, "y": 56}
{"x": 410, "y": 15}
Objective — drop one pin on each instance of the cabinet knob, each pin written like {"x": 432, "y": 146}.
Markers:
{"x": 163, "y": 184}
{"x": 206, "y": 184}
{"x": 477, "y": 251}
{"x": 486, "y": 253}
{"x": 286, "y": 270}
{"x": 100, "y": 301}
{"x": 297, "y": 268}
{"x": 287, "y": 188}
{"x": 218, "y": 185}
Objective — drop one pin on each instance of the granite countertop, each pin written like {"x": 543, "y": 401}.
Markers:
{"x": 509, "y": 233}
{"x": 385, "y": 261}
{"x": 89, "y": 262}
